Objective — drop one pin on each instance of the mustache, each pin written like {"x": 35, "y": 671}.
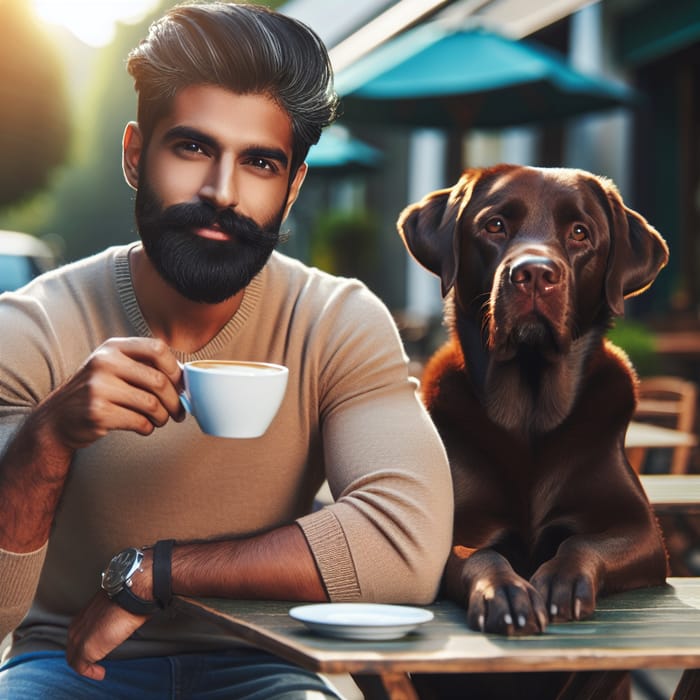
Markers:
{"x": 190, "y": 215}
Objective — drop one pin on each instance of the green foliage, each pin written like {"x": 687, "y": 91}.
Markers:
{"x": 345, "y": 243}
{"x": 35, "y": 117}
{"x": 638, "y": 342}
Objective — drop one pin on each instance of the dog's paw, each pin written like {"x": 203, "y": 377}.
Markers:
{"x": 569, "y": 595}
{"x": 509, "y": 607}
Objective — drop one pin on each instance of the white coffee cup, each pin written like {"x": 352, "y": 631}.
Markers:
{"x": 233, "y": 399}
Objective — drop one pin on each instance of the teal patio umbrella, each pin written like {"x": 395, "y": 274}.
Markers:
{"x": 441, "y": 76}
{"x": 338, "y": 151}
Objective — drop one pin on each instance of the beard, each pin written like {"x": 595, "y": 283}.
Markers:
{"x": 200, "y": 269}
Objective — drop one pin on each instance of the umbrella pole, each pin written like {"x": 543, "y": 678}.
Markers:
{"x": 455, "y": 162}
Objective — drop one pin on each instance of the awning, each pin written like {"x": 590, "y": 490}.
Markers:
{"x": 438, "y": 75}
{"x": 658, "y": 30}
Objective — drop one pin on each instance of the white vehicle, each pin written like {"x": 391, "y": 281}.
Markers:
{"x": 22, "y": 257}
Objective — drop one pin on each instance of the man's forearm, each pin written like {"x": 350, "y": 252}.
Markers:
{"x": 276, "y": 565}
{"x": 33, "y": 471}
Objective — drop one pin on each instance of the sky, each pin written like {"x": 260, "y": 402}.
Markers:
{"x": 92, "y": 21}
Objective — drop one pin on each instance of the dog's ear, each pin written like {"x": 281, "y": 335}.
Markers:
{"x": 637, "y": 253}
{"x": 429, "y": 229}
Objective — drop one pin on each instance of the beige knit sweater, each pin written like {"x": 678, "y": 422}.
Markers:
{"x": 350, "y": 415}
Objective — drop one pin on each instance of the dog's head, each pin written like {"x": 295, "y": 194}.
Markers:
{"x": 542, "y": 254}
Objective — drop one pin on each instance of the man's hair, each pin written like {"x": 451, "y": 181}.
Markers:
{"x": 248, "y": 49}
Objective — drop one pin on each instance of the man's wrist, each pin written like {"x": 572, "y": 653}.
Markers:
{"x": 127, "y": 580}
{"x": 142, "y": 580}
{"x": 162, "y": 572}
{"x": 139, "y": 580}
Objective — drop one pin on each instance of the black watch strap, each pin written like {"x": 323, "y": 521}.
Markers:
{"x": 162, "y": 573}
{"x": 133, "y": 604}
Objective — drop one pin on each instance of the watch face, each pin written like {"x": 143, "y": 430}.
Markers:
{"x": 121, "y": 569}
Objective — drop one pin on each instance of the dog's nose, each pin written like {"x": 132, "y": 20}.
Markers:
{"x": 535, "y": 273}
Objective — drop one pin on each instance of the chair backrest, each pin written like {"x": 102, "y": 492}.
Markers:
{"x": 670, "y": 402}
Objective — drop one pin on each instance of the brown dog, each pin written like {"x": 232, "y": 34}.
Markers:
{"x": 532, "y": 402}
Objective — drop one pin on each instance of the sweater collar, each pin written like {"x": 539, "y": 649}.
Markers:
{"x": 236, "y": 323}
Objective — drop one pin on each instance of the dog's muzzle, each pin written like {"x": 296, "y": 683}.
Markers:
{"x": 535, "y": 274}
{"x": 529, "y": 305}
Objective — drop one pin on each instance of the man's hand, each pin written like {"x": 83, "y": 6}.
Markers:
{"x": 97, "y": 630}
{"x": 126, "y": 384}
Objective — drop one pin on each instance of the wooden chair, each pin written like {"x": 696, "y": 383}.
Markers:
{"x": 671, "y": 403}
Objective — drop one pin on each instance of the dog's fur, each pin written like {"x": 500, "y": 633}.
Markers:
{"x": 531, "y": 401}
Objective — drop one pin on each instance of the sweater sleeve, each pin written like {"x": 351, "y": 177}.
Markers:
{"x": 19, "y": 573}
{"x": 20, "y": 577}
{"x": 27, "y": 374}
{"x": 387, "y": 535}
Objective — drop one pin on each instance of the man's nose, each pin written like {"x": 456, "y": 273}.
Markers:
{"x": 220, "y": 187}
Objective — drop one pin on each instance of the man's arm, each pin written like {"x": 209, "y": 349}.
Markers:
{"x": 277, "y": 565}
{"x": 126, "y": 384}
{"x": 32, "y": 474}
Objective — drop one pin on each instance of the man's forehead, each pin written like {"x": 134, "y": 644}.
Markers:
{"x": 229, "y": 116}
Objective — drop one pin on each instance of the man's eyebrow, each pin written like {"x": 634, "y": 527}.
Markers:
{"x": 190, "y": 134}
{"x": 276, "y": 154}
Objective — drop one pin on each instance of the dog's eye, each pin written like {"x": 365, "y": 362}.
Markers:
{"x": 495, "y": 225}
{"x": 579, "y": 233}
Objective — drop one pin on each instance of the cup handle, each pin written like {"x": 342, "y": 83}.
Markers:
{"x": 184, "y": 399}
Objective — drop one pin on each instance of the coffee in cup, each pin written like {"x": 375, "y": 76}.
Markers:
{"x": 233, "y": 399}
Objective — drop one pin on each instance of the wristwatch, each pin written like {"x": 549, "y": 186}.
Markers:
{"x": 116, "y": 582}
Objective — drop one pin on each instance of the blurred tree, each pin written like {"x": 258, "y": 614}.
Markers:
{"x": 345, "y": 243}
{"x": 90, "y": 206}
{"x": 93, "y": 205}
{"x": 35, "y": 118}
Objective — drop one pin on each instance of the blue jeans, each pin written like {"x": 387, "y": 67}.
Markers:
{"x": 237, "y": 675}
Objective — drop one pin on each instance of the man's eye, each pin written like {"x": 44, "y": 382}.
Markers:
{"x": 261, "y": 163}
{"x": 189, "y": 147}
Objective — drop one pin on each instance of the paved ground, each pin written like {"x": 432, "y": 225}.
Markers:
{"x": 663, "y": 684}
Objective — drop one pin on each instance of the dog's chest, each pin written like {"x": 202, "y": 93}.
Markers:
{"x": 509, "y": 489}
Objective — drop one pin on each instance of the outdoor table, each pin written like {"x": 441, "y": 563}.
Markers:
{"x": 677, "y": 343}
{"x": 678, "y": 493}
{"x": 646, "y": 435}
{"x": 675, "y": 499}
{"x": 641, "y": 629}
{"x": 643, "y": 436}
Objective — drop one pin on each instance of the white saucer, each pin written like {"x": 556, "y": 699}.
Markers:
{"x": 364, "y": 621}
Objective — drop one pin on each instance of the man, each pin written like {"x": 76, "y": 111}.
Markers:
{"x": 98, "y": 456}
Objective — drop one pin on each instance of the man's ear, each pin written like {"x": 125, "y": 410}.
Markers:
{"x": 294, "y": 188}
{"x": 132, "y": 144}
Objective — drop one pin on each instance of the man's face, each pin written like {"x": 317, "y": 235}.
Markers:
{"x": 213, "y": 188}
